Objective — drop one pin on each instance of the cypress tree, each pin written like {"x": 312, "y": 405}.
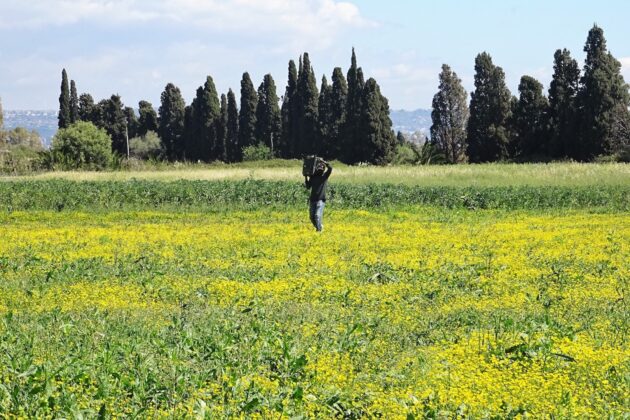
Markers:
{"x": 602, "y": 92}
{"x": 490, "y": 109}
{"x": 268, "y": 119}
{"x": 220, "y": 147}
{"x": 247, "y": 115}
{"x": 376, "y": 126}
{"x": 148, "y": 120}
{"x": 307, "y": 112}
{"x": 202, "y": 144}
{"x": 530, "y": 120}
{"x": 325, "y": 119}
{"x": 64, "y": 102}
{"x": 231, "y": 141}
{"x": 191, "y": 132}
{"x": 74, "y": 103}
{"x": 562, "y": 106}
{"x": 114, "y": 121}
{"x": 351, "y": 147}
{"x": 86, "y": 108}
{"x": 289, "y": 121}
{"x": 449, "y": 117}
{"x": 339, "y": 98}
{"x": 171, "y": 121}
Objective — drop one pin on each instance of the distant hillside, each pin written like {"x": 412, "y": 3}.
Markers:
{"x": 45, "y": 122}
{"x": 411, "y": 121}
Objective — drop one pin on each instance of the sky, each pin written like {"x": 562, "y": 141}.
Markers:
{"x": 135, "y": 47}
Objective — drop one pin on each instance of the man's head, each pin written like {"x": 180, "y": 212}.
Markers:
{"x": 319, "y": 169}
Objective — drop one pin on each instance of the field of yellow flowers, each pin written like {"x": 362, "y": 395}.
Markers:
{"x": 413, "y": 313}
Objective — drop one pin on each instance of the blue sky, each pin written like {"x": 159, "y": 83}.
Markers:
{"x": 135, "y": 47}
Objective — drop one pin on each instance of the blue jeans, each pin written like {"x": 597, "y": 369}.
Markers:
{"x": 317, "y": 214}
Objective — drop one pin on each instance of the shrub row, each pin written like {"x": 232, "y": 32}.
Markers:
{"x": 247, "y": 194}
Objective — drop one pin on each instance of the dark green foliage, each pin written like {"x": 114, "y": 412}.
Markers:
{"x": 148, "y": 120}
{"x": 487, "y": 133}
{"x": 529, "y": 121}
{"x": 64, "y": 102}
{"x": 450, "y": 117}
{"x": 288, "y": 144}
{"x": 232, "y": 147}
{"x": 268, "y": 120}
{"x": 171, "y": 122}
{"x": 351, "y": 140}
{"x": 251, "y": 194}
{"x": 82, "y": 146}
{"x": 307, "y": 110}
{"x": 220, "y": 146}
{"x": 325, "y": 120}
{"x": 114, "y": 121}
{"x": 86, "y": 108}
{"x": 339, "y": 98}
{"x": 602, "y": 92}
{"x": 375, "y": 127}
{"x": 201, "y": 140}
{"x": 247, "y": 115}
{"x": 74, "y": 103}
{"x": 562, "y": 106}
{"x": 400, "y": 138}
{"x": 133, "y": 125}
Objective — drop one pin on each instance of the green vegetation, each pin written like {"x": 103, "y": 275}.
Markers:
{"x": 81, "y": 146}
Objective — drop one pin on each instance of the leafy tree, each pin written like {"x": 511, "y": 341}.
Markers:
{"x": 563, "y": 90}
{"x": 307, "y": 111}
{"x": 74, "y": 103}
{"x": 490, "y": 109}
{"x": 232, "y": 146}
{"x": 400, "y": 138}
{"x": 449, "y": 117}
{"x": 602, "y": 91}
{"x": 288, "y": 141}
{"x": 206, "y": 110}
{"x": 82, "y": 146}
{"x": 148, "y": 120}
{"x": 376, "y": 126}
{"x": 530, "y": 120}
{"x": 268, "y": 120}
{"x": 20, "y": 136}
{"x": 86, "y": 108}
{"x": 64, "y": 102}
{"x": 338, "y": 105}
{"x": 222, "y": 123}
{"x": 325, "y": 119}
{"x": 146, "y": 146}
{"x": 171, "y": 122}
{"x": 351, "y": 145}
{"x": 114, "y": 122}
{"x": 247, "y": 115}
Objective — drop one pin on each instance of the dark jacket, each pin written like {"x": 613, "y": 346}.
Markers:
{"x": 317, "y": 184}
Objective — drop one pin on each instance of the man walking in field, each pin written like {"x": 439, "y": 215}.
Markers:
{"x": 317, "y": 183}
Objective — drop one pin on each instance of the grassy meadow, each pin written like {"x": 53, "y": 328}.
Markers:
{"x": 491, "y": 291}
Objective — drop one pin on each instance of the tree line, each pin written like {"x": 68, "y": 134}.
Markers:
{"x": 585, "y": 114}
{"x": 347, "y": 119}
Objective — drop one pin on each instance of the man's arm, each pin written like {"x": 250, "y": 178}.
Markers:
{"x": 328, "y": 171}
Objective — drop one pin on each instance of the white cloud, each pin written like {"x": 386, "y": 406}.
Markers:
{"x": 306, "y": 22}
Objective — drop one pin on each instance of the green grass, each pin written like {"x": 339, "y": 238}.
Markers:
{"x": 60, "y": 194}
{"x": 487, "y": 175}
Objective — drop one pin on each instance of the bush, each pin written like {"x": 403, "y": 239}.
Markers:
{"x": 258, "y": 152}
{"x": 82, "y": 146}
{"x": 145, "y": 147}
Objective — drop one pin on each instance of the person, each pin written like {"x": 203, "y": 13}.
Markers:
{"x": 317, "y": 184}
